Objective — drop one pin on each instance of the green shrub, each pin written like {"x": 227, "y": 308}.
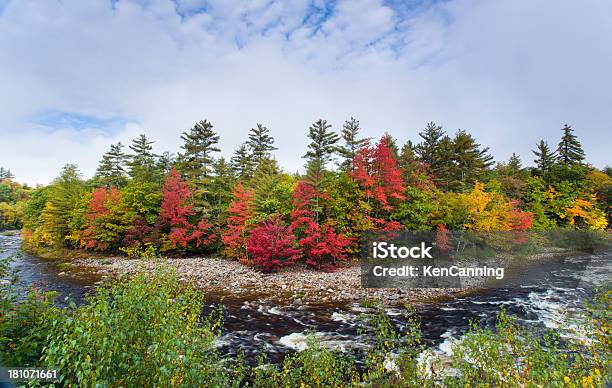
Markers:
{"x": 24, "y": 327}
{"x": 313, "y": 367}
{"x": 145, "y": 332}
{"x": 512, "y": 356}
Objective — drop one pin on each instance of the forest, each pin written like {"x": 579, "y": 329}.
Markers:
{"x": 248, "y": 208}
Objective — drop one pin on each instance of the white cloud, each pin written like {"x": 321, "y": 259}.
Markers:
{"x": 510, "y": 72}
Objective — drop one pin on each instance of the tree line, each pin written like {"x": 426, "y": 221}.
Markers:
{"x": 250, "y": 209}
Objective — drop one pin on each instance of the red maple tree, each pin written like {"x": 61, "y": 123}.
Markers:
{"x": 443, "y": 241}
{"x": 241, "y": 211}
{"x": 176, "y": 211}
{"x": 322, "y": 247}
{"x": 270, "y": 245}
{"x": 377, "y": 172}
{"x": 101, "y": 229}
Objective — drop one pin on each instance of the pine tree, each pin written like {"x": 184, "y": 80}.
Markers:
{"x": 264, "y": 179}
{"x": 545, "y": 158}
{"x": 200, "y": 144}
{"x": 409, "y": 162}
{"x": 141, "y": 164}
{"x": 164, "y": 163}
{"x": 242, "y": 163}
{"x": 111, "y": 169}
{"x": 6, "y": 174}
{"x": 428, "y": 149}
{"x": 352, "y": 143}
{"x": 570, "y": 150}
{"x": 323, "y": 144}
{"x": 515, "y": 165}
{"x": 260, "y": 143}
{"x": 468, "y": 162}
{"x": 221, "y": 185}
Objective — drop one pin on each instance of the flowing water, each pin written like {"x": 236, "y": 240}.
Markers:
{"x": 545, "y": 302}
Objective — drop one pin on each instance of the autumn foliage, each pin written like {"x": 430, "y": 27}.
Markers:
{"x": 322, "y": 247}
{"x": 176, "y": 212}
{"x": 238, "y": 225}
{"x": 377, "y": 171}
{"x": 102, "y": 224}
{"x": 271, "y": 245}
{"x": 246, "y": 207}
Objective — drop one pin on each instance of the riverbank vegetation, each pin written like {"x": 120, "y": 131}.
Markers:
{"x": 195, "y": 202}
{"x": 149, "y": 331}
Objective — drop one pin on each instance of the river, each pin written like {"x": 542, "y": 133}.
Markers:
{"x": 250, "y": 327}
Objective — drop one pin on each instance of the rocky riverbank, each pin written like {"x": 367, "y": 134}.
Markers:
{"x": 231, "y": 279}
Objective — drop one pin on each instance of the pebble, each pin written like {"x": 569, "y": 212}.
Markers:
{"x": 233, "y": 278}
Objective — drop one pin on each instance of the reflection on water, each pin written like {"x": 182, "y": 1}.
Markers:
{"x": 44, "y": 274}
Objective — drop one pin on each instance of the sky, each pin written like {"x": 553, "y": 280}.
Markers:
{"x": 76, "y": 76}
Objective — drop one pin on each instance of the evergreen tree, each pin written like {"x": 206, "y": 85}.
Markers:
{"x": 323, "y": 144}
{"x": 242, "y": 163}
{"x": 261, "y": 143}
{"x": 165, "y": 162}
{"x": 141, "y": 164}
{"x": 352, "y": 143}
{"x": 111, "y": 171}
{"x": 272, "y": 189}
{"x": 569, "y": 150}
{"x": 428, "y": 150}
{"x": 6, "y": 174}
{"x": 410, "y": 164}
{"x": 320, "y": 180}
{"x": 515, "y": 165}
{"x": 466, "y": 163}
{"x": 221, "y": 187}
{"x": 545, "y": 158}
{"x": 200, "y": 144}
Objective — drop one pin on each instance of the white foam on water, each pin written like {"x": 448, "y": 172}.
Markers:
{"x": 295, "y": 341}
{"x": 340, "y": 317}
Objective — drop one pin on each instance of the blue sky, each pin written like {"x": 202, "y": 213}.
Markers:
{"x": 79, "y": 75}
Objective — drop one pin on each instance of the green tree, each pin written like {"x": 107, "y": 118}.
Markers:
{"x": 323, "y": 144}
{"x": 221, "y": 185}
{"x": 6, "y": 174}
{"x": 428, "y": 150}
{"x": 164, "y": 163}
{"x": 462, "y": 161}
{"x": 64, "y": 194}
{"x": 200, "y": 145}
{"x": 260, "y": 143}
{"x": 141, "y": 163}
{"x": 412, "y": 170}
{"x": 111, "y": 171}
{"x": 272, "y": 189}
{"x": 569, "y": 150}
{"x": 352, "y": 143}
{"x": 242, "y": 163}
{"x": 545, "y": 158}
